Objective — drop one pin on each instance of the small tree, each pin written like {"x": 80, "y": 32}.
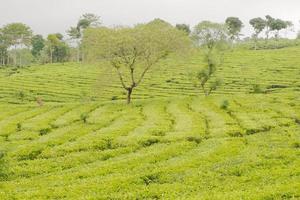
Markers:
{"x": 213, "y": 39}
{"x": 133, "y": 51}
{"x": 234, "y": 26}
{"x": 258, "y": 25}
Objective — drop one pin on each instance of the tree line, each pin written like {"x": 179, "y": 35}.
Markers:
{"x": 19, "y": 46}
{"x": 133, "y": 51}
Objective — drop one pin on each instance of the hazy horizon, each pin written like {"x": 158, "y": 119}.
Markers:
{"x": 45, "y": 16}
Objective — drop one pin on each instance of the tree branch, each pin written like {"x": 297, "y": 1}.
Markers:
{"x": 115, "y": 65}
{"x": 121, "y": 79}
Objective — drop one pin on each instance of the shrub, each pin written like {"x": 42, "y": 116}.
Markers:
{"x": 84, "y": 117}
{"x": 45, "y": 131}
{"x": 151, "y": 178}
{"x": 296, "y": 145}
{"x": 39, "y": 101}
{"x": 224, "y": 104}
{"x": 105, "y": 144}
{"x": 149, "y": 142}
{"x": 31, "y": 156}
{"x": 19, "y": 127}
{"x": 252, "y": 131}
{"x": 256, "y": 88}
{"x": 20, "y": 95}
{"x": 194, "y": 139}
{"x": 54, "y": 126}
{"x": 114, "y": 98}
{"x": 158, "y": 133}
{"x": 235, "y": 134}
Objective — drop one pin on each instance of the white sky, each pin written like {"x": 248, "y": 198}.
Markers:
{"x": 50, "y": 16}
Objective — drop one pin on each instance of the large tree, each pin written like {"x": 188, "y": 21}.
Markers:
{"x": 84, "y": 22}
{"x": 210, "y": 35}
{"x": 37, "y": 43}
{"x": 277, "y": 25}
{"x": 17, "y": 35}
{"x": 234, "y": 25}
{"x": 258, "y": 25}
{"x": 133, "y": 51}
{"x": 56, "y": 49}
{"x": 212, "y": 38}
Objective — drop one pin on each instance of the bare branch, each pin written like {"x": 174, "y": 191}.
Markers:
{"x": 122, "y": 80}
{"x": 143, "y": 74}
{"x": 149, "y": 65}
{"x": 115, "y": 65}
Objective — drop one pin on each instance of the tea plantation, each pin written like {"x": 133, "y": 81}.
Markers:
{"x": 66, "y": 132}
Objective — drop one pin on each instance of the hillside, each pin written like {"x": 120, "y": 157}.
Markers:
{"x": 277, "y": 70}
{"x": 171, "y": 143}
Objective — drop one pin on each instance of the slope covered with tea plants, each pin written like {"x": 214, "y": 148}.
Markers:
{"x": 84, "y": 142}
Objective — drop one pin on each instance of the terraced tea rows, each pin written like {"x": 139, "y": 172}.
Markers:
{"x": 170, "y": 78}
{"x": 171, "y": 143}
{"x": 181, "y": 148}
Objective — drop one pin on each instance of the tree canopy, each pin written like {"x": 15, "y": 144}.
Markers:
{"x": 17, "y": 34}
{"x": 258, "y": 25}
{"x": 210, "y": 35}
{"x": 184, "y": 27}
{"x": 133, "y": 51}
{"x": 234, "y": 25}
{"x": 37, "y": 43}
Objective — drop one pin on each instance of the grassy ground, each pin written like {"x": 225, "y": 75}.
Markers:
{"x": 172, "y": 143}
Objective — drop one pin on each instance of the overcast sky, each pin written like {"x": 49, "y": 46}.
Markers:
{"x": 50, "y": 16}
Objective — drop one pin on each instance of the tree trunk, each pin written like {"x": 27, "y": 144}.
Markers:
{"x": 15, "y": 56}
{"x": 204, "y": 90}
{"x": 78, "y": 52}
{"x": 51, "y": 56}
{"x": 129, "y": 92}
{"x": 20, "y": 59}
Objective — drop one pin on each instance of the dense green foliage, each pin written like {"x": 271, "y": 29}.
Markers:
{"x": 14, "y": 35}
{"x": 37, "y": 43}
{"x": 16, "y": 39}
{"x": 172, "y": 143}
{"x": 234, "y": 25}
